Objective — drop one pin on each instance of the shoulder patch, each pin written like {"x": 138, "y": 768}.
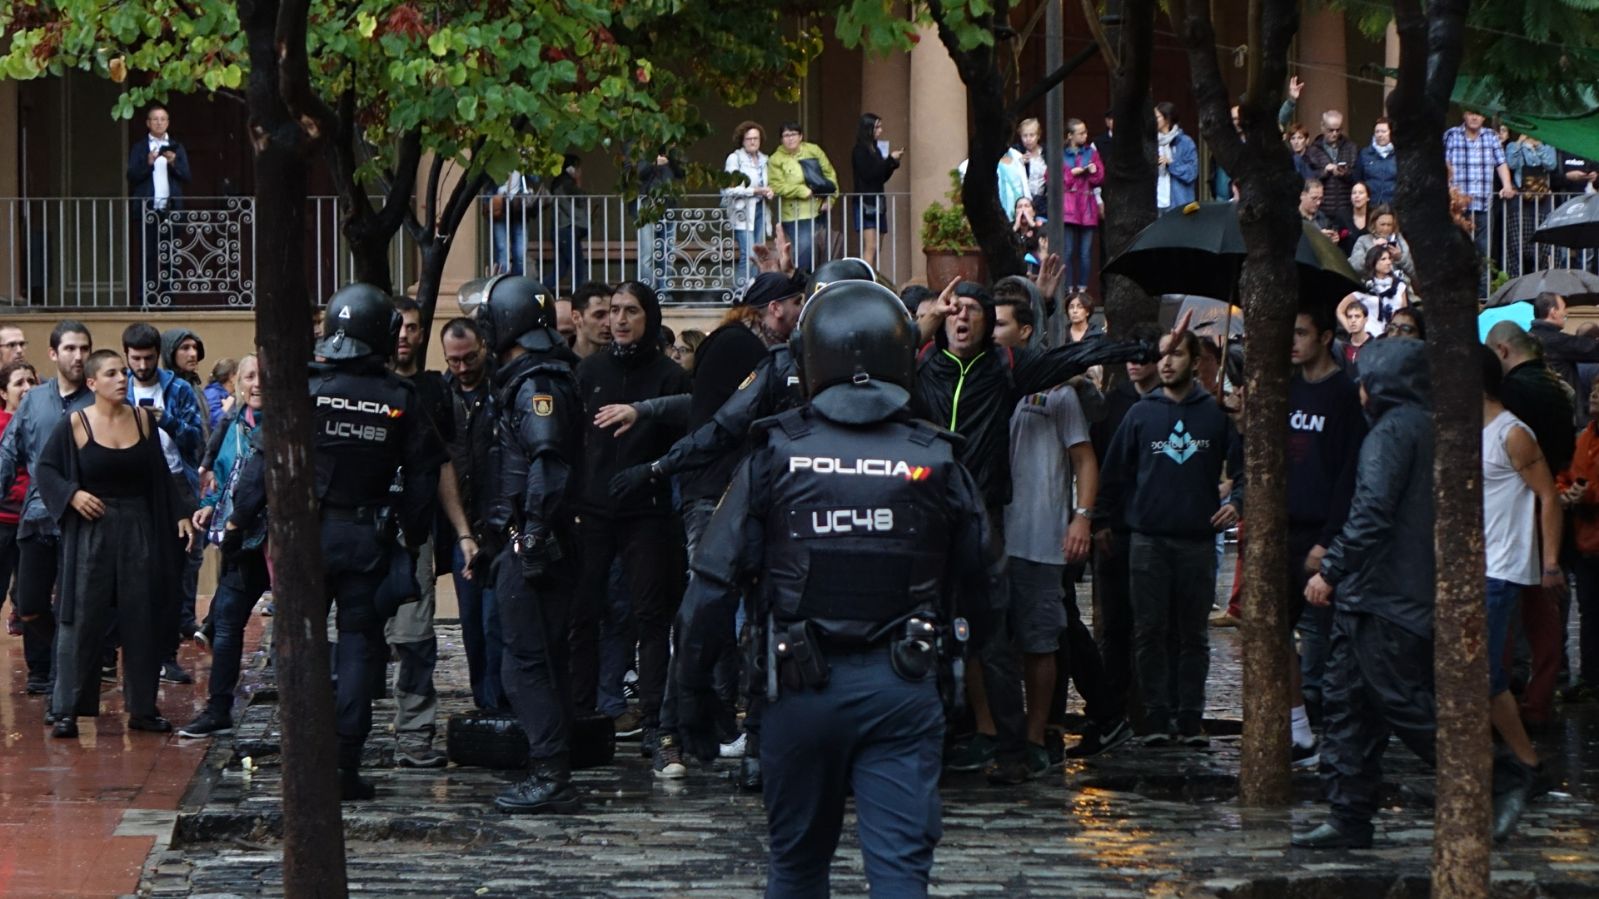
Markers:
{"x": 748, "y": 380}
{"x": 543, "y": 404}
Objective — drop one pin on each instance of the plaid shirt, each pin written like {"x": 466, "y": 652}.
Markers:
{"x": 1475, "y": 163}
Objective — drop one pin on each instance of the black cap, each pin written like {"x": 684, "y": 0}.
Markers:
{"x": 769, "y": 286}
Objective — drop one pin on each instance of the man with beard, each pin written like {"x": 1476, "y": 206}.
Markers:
{"x": 410, "y": 632}
{"x": 966, "y": 384}
{"x": 37, "y": 533}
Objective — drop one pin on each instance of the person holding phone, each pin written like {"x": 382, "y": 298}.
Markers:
{"x": 158, "y": 170}
{"x": 1332, "y": 158}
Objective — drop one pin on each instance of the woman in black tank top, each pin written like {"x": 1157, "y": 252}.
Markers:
{"x": 105, "y": 477}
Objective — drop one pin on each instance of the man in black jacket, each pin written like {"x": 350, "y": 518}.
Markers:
{"x": 635, "y": 529}
{"x": 1561, "y": 351}
{"x": 966, "y": 384}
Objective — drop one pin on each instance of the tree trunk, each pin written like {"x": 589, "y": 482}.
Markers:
{"x": 1267, "y": 216}
{"x": 1129, "y": 187}
{"x": 313, "y": 830}
{"x": 1447, "y": 267}
{"x": 435, "y": 236}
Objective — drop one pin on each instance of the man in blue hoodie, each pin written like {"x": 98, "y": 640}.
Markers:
{"x": 1162, "y": 475}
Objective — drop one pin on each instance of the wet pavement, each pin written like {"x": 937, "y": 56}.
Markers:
{"x": 1138, "y": 822}
{"x": 80, "y": 817}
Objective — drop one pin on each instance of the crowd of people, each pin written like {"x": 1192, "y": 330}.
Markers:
{"x": 569, "y": 465}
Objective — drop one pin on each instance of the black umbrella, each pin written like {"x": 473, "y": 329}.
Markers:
{"x": 1574, "y": 224}
{"x": 1580, "y": 288}
{"x": 1199, "y": 249}
{"x": 1208, "y": 317}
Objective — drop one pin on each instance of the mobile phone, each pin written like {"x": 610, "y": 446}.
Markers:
{"x": 147, "y": 401}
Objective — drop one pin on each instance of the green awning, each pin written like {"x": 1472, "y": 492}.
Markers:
{"x": 1579, "y": 135}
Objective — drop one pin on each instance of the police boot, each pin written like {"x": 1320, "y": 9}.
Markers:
{"x": 748, "y": 778}
{"x": 352, "y": 788}
{"x": 547, "y": 790}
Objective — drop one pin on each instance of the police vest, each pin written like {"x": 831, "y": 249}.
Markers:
{"x": 858, "y": 526}
{"x": 786, "y": 390}
{"x": 359, "y": 429}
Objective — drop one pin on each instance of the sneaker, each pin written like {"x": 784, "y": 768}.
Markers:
{"x": 630, "y": 685}
{"x": 173, "y": 673}
{"x": 972, "y": 755}
{"x": 1098, "y": 739}
{"x": 37, "y": 687}
{"x": 201, "y": 639}
{"x": 1192, "y": 732}
{"x": 14, "y": 625}
{"x": 629, "y": 724}
{"x": 108, "y": 674}
{"x": 422, "y": 755}
{"x": 268, "y": 609}
{"x": 735, "y": 749}
{"x": 1009, "y": 773}
{"x": 668, "y": 759}
{"x": 1038, "y": 762}
{"x": 1225, "y": 619}
{"x": 1306, "y": 758}
{"x": 209, "y": 724}
{"x": 1157, "y": 740}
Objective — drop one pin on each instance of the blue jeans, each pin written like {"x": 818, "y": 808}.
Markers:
{"x": 512, "y": 231}
{"x": 1503, "y": 600}
{"x": 480, "y": 633}
{"x": 802, "y": 241}
{"x": 747, "y": 241}
{"x": 1078, "y": 254}
{"x": 241, "y": 583}
{"x": 1480, "y": 237}
{"x": 571, "y": 266}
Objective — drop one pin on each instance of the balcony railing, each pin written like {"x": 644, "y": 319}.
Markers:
{"x": 1511, "y": 224}
{"x": 692, "y": 251}
{"x": 200, "y": 253}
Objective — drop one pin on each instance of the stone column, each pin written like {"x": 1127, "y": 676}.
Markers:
{"x": 1390, "y": 60}
{"x": 1321, "y": 44}
{"x": 886, "y": 91}
{"x": 938, "y": 132}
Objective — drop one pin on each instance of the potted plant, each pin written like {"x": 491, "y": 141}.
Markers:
{"x": 948, "y": 242}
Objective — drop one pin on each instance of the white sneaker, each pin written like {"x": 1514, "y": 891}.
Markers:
{"x": 735, "y": 749}
{"x": 1306, "y": 758}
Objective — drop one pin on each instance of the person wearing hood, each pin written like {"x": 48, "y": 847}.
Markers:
{"x": 1160, "y": 476}
{"x": 869, "y": 540}
{"x": 181, "y": 354}
{"x": 1177, "y": 158}
{"x": 966, "y": 384}
{"x": 634, "y": 529}
{"x": 1379, "y": 677}
{"x": 182, "y": 351}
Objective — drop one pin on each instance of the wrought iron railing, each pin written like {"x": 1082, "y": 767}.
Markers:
{"x": 1511, "y": 245}
{"x": 690, "y": 250}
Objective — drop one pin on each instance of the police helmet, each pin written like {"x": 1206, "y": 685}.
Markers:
{"x": 855, "y": 348}
{"x": 849, "y": 268}
{"x": 512, "y": 308}
{"x": 360, "y": 321}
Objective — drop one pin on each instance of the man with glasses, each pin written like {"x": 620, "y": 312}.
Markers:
{"x": 1333, "y": 157}
{"x": 12, "y": 344}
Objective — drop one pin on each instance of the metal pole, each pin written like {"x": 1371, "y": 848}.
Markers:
{"x": 1054, "y": 154}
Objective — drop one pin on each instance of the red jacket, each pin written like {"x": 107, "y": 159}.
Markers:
{"x": 1079, "y": 206}
{"x": 1585, "y": 466}
{"x": 11, "y": 504}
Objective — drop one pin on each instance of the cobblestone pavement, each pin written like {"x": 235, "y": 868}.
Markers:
{"x": 1138, "y": 823}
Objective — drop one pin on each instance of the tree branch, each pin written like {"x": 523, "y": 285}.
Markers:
{"x": 402, "y": 181}
{"x": 315, "y": 119}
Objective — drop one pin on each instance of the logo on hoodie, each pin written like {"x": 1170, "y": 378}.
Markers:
{"x": 1180, "y": 446}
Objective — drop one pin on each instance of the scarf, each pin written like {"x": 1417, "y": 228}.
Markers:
{"x": 1163, "y": 180}
{"x": 1382, "y": 150}
{"x": 626, "y": 351}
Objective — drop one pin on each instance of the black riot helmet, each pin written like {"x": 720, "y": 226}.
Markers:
{"x": 517, "y": 310}
{"x": 848, "y": 268}
{"x": 855, "y": 348}
{"x": 360, "y": 321}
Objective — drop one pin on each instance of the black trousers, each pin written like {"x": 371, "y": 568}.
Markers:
{"x": 112, "y": 580}
{"x": 38, "y": 558}
{"x": 1116, "y": 621}
{"x": 534, "y": 667}
{"x": 652, "y": 563}
{"x": 356, "y": 567}
{"x": 1077, "y": 662}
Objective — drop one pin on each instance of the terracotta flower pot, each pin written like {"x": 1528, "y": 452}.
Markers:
{"x": 943, "y": 265}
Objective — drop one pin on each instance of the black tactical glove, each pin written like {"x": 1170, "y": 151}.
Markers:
{"x": 696, "y": 721}
{"x": 630, "y": 480}
{"x": 536, "y": 553}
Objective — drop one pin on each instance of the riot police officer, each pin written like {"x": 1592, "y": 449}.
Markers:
{"x": 538, "y": 441}
{"x": 367, "y": 425}
{"x": 868, "y": 538}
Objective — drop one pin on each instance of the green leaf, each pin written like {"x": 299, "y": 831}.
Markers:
{"x": 439, "y": 43}
{"x": 466, "y": 107}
